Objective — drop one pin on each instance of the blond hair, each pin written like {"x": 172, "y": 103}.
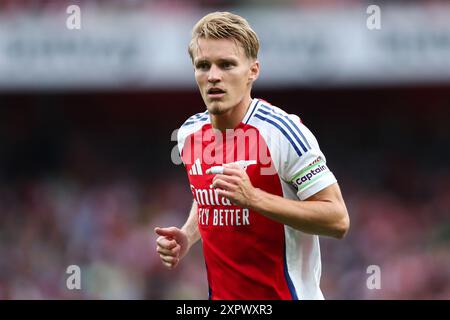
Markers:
{"x": 225, "y": 25}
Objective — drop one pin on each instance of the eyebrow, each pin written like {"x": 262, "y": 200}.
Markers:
{"x": 226, "y": 59}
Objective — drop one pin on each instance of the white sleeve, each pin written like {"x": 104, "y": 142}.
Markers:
{"x": 303, "y": 164}
{"x": 181, "y": 138}
{"x": 189, "y": 127}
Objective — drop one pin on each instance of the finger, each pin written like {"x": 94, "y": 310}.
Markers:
{"x": 234, "y": 166}
{"x": 167, "y": 232}
{"x": 215, "y": 170}
{"x": 164, "y": 252}
{"x": 169, "y": 265}
{"x": 230, "y": 179}
{"x": 221, "y": 184}
{"x": 167, "y": 259}
{"x": 229, "y": 169}
{"x": 231, "y": 165}
{"x": 172, "y": 252}
{"x": 233, "y": 171}
{"x": 166, "y": 243}
{"x": 226, "y": 194}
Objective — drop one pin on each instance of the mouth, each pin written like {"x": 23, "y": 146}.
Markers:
{"x": 215, "y": 93}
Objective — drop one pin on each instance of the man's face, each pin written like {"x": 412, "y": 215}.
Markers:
{"x": 223, "y": 73}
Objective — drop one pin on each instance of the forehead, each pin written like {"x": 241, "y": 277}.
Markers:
{"x": 211, "y": 49}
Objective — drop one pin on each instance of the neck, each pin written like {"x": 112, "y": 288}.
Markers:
{"x": 231, "y": 118}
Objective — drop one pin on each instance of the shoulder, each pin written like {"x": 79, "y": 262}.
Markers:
{"x": 196, "y": 118}
{"x": 288, "y": 128}
{"x": 190, "y": 126}
{"x": 267, "y": 110}
{"x": 193, "y": 124}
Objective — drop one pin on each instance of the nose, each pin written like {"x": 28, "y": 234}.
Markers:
{"x": 214, "y": 74}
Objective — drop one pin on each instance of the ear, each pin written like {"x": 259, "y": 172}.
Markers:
{"x": 254, "y": 71}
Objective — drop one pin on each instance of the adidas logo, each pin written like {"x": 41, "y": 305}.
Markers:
{"x": 196, "y": 169}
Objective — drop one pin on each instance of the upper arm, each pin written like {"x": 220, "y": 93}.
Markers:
{"x": 306, "y": 171}
{"x": 331, "y": 193}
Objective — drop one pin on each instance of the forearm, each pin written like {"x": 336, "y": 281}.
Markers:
{"x": 191, "y": 226}
{"x": 317, "y": 216}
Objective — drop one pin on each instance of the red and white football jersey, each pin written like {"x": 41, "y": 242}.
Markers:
{"x": 247, "y": 255}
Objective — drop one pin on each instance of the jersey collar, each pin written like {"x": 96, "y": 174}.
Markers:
{"x": 250, "y": 111}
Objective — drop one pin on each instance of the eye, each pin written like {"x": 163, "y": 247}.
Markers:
{"x": 227, "y": 65}
{"x": 202, "y": 65}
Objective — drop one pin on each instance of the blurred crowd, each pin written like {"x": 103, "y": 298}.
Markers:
{"x": 400, "y": 219}
{"x": 407, "y": 240}
{"x": 107, "y": 230}
{"x": 39, "y": 5}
